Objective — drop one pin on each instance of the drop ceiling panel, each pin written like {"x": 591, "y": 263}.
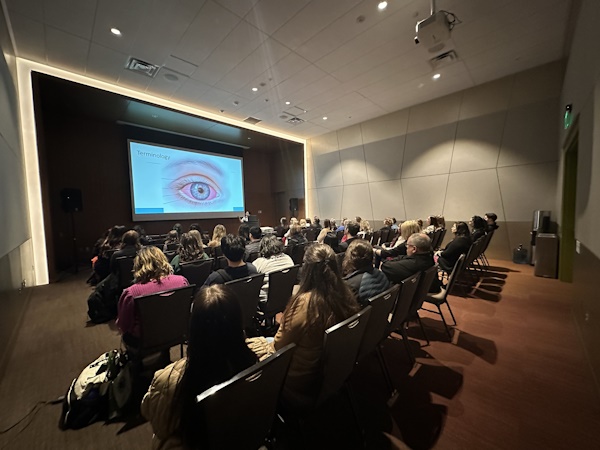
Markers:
{"x": 72, "y": 17}
{"x": 104, "y": 63}
{"x": 117, "y": 14}
{"x": 209, "y": 27}
{"x": 237, "y": 7}
{"x": 66, "y": 50}
{"x": 269, "y": 15}
{"x": 190, "y": 91}
{"x": 310, "y": 20}
{"x": 29, "y": 37}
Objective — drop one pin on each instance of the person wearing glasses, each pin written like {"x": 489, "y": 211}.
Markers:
{"x": 418, "y": 258}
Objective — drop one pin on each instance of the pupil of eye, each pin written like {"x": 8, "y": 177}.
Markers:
{"x": 200, "y": 191}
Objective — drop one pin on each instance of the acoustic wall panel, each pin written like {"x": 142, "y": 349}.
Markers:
{"x": 354, "y": 170}
{"x": 312, "y": 204}
{"x": 478, "y": 142}
{"x": 527, "y": 188}
{"x": 429, "y": 152}
{"x": 538, "y": 84}
{"x": 349, "y": 137}
{"x": 486, "y": 99}
{"x": 387, "y": 199}
{"x": 356, "y": 201}
{"x": 530, "y": 134}
{"x": 424, "y": 196}
{"x": 384, "y": 158}
{"x": 330, "y": 201}
{"x": 440, "y": 111}
{"x": 328, "y": 170}
{"x": 473, "y": 193}
{"x": 326, "y": 143}
{"x": 385, "y": 127}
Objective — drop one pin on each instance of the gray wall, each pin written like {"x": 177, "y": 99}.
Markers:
{"x": 582, "y": 89}
{"x": 15, "y": 246}
{"x": 486, "y": 149}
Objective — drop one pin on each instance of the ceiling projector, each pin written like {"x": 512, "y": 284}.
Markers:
{"x": 433, "y": 31}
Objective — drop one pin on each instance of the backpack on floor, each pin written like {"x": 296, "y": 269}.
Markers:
{"x": 102, "y": 302}
{"x": 91, "y": 396}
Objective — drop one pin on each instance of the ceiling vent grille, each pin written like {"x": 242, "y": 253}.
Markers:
{"x": 295, "y": 121}
{"x": 139, "y": 66}
{"x": 252, "y": 120}
{"x": 445, "y": 59}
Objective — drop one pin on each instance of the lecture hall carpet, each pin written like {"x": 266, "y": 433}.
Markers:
{"x": 514, "y": 376}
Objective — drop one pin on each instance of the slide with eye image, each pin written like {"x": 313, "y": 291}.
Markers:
{"x": 182, "y": 183}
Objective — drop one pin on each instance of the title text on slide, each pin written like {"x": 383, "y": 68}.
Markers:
{"x": 154, "y": 155}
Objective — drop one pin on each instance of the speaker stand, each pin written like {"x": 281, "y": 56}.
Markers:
{"x": 74, "y": 242}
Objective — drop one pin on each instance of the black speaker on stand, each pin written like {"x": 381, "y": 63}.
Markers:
{"x": 72, "y": 202}
{"x": 293, "y": 207}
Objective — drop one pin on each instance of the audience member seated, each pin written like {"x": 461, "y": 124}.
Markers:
{"x": 365, "y": 228}
{"x": 189, "y": 250}
{"x": 254, "y": 245}
{"x": 179, "y": 229}
{"x": 196, "y": 235}
{"x": 418, "y": 258}
{"x": 316, "y": 223}
{"x": 490, "y": 219}
{"x": 130, "y": 245}
{"x": 394, "y": 224}
{"x": 271, "y": 259}
{"x": 293, "y": 221}
{"x": 143, "y": 237}
{"x": 303, "y": 223}
{"x": 342, "y": 224}
{"x": 479, "y": 227}
{"x": 171, "y": 241}
{"x": 326, "y": 229}
{"x": 216, "y": 352}
{"x": 441, "y": 222}
{"x": 195, "y": 226}
{"x": 387, "y": 224}
{"x": 244, "y": 232}
{"x": 359, "y": 273}
{"x": 219, "y": 233}
{"x": 322, "y": 301}
{"x": 350, "y": 234}
{"x": 233, "y": 248}
{"x": 397, "y": 248}
{"x": 151, "y": 273}
{"x": 432, "y": 226}
{"x": 296, "y": 237}
{"x": 460, "y": 244}
{"x": 111, "y": 244}
{"x": 282, "y": 228}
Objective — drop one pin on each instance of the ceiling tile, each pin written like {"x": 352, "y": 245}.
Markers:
{"x": 29, "y": 37}
{"x": 124, "y": 16}
{"x": 270, "y": 15}
{"x": 72, "y": 17}
{"x": 32, "y": 9}
{"x": 104, "y": 63}
{"x": 66, "y": 50}
{"x": 237, "y": 7}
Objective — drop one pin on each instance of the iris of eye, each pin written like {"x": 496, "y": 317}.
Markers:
{"x": 200, "y": 191}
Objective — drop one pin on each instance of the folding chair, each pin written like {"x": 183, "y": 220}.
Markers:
{"x": 125, "y": 271}
{"x": 196, "y": 272}
{"x": 402, "y": 309}
{"x": 247, "y": 291}
{"x": 281, "y": 285}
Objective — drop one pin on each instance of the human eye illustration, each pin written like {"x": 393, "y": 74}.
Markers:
{"x": 194, "y": 185}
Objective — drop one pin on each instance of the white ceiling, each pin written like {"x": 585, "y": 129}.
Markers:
{"x": 312, "y": 53}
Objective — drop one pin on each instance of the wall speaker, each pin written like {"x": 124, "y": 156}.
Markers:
{"x": 293, "y": 204}
{"x": 70, "y": 200}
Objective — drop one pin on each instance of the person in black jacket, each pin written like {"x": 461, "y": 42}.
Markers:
{"x": 359, "y": 274}
{"x": 460, "y": 244}
{"x": 490, "y": 219}
{"x": 350, "y": 233}
{"x": 129, "y": 247}
{"x": 479, "y": 227}
{"x": 417, "y": 259}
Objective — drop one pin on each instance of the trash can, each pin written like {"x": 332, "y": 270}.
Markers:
{"x": 546, "y": 258}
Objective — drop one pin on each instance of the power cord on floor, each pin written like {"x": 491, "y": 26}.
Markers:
{"x": 32, "y": 412}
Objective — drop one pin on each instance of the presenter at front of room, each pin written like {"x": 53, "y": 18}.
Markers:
{"x": 196, "y": 185}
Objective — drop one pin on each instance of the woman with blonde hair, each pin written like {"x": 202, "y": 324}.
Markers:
{"x": 407, "y": 228}
{"x": 151, "y": 273}
{"x": 218, "y": 233}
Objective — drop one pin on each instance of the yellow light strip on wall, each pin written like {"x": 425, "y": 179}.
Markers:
{"x": 28, "y": 132}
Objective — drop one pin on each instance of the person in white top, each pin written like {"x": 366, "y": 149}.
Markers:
{"x": 271, "y": 259}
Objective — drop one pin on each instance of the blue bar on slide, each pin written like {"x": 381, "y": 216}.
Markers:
{"x": 149, "y": 210}
{"x": 238, "y": 208}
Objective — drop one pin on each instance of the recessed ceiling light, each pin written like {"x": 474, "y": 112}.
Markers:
{"x": 382, "y": 5}
{"x": 436, "y": 76}
{"x": 254, "y": 89}
{"x": 115, "y": 31}
{"x": 287, "y": 103}
{"x": 325, "y": 118}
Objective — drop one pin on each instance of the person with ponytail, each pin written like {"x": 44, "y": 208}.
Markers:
{"x": 216, "y": 352}
{"x": 322, "y": 301}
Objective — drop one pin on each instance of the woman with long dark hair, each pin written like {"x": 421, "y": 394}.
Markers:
{"x": 359, "y": 274}
{"x": 479, "y": 227}
{"x": 322, "y": 301}
{"x": 460, "y": 244}
{"x": 216, "y": 352}
{"x": 189, "y": 250}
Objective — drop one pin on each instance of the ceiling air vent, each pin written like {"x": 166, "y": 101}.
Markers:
{"x": 252, "y": 120}
{"x": 445, "y": 59}
{"x": 295, "y": 121}
{"x": 139, "y": 66}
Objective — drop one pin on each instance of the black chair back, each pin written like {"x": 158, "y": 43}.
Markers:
{"x": 239, "y": 413}
{"x": 377, "y": 328}
{"x": 125, "y": 271}
{"x": 164, "y": 319}
{"x": 196, "y": 272}
{"x": 247, "y": 291}
{"x": 281, "y": 285}
{"x": 384, "y": 236}
{"x": 253, "y": 256}
{"x": 340, "y": 351}
{"x": 340, "y": 235}
{"x": 427, "y": 277}
{"x": 172, "y": 247}
{"x": 405, "y": 297}
{"x": 170, "y": 254}
{"x": 220, "y": 262}
{"x": 311, "y": 234}
{"x": 456, "y": 271}
{"x": 297, "y": 253}
{"x": 375, "y": 239}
